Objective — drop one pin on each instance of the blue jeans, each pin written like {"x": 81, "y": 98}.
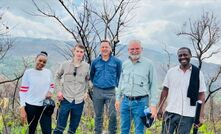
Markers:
{"x": 75, "y": 111}
{"x": 101, "y": 97}
{"x": 174, "y": 122}
{"x": 132, "y": 110}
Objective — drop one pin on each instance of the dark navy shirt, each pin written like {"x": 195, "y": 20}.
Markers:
{"x": 105, "y": 74}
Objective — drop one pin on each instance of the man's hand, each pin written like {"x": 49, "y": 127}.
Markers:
{"x": 160, "y": 114}
{"x": 202, "y": 120}
{"x": 85, "y": 96}
{"x": 153, "y": 110}
{"x": 60, "y": 96}
{"x": 23, "y": 115}
{"x": 117, "y": 105}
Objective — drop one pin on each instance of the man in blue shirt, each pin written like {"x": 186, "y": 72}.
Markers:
{"x": 137, "y": 88}
{"x": 105, "y": 74}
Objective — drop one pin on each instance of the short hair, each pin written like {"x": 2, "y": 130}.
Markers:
{"x": 79, "y": 46}
{"x": 134, "y": 41}
{"x": 188, "y": 49}
{"x": 107, "y": 42}
{"x": 43, "y": 53}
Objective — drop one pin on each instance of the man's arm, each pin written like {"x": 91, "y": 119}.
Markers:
{"x": 119, "y": 67}
{"x": 163, "y": 97}
{"x": 58, "y": 78}
{"x": 201, "y": 97}
{"x": 118, "y": 93}
{"x": 92, "y": 71}
{"x": 154, "y": 90}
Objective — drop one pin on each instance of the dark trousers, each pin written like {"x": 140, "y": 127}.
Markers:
{"x": 34, "y": 114}
{"x": 176, "y": 123}
{"x": 75, "y": 111}
{"x": 100, "y": 98}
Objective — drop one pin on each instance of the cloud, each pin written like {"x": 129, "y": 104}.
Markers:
{"x": 155, "y": 23}
{"x": 147, "y": 30}
{"x": 25, "y": 27}
{"x": 215, "y": 59}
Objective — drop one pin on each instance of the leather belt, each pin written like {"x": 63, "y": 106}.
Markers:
{"x": 136, "y": 97}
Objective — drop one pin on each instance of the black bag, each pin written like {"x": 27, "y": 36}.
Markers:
{"x": 147, "y": 120}
{"x": 49, "y": 105}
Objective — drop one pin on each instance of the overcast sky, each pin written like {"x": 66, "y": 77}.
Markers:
{"x": 156, "y": 22}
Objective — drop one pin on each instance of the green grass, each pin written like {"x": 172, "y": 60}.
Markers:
{"x": 87, "y": 126}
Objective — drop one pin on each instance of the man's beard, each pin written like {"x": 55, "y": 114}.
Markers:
{"x": 134, "y": 57}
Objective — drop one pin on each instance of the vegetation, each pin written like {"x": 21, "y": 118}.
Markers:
{"x": 87, "y": 126}
{"x": 84, "y": 31}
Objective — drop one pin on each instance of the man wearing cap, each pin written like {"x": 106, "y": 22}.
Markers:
{"x": 137, "y": 89}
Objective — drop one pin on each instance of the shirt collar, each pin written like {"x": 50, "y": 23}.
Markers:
{"x": 178, "y": 68}
{"x": 72, "y": 62}
{"x": 100, "y": 57}
{"x": 139, "y": 60}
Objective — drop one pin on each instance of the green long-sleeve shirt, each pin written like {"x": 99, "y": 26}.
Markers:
{"x": 138, "y": 79}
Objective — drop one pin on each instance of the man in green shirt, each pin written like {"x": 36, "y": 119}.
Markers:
{"x": 137, "y": 88}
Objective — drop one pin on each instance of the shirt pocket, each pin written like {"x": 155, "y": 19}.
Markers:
{"x": 140, "y": 80}
{"x": 99, "y": 67}
{"x": 68, "y": 77}
{"x": 112, "y": 67}
{"x": 81, "y": 77}
{"x": 126, "y": 77}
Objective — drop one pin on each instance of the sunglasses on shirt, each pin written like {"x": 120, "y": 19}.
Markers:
{"x": 75, "y": 71}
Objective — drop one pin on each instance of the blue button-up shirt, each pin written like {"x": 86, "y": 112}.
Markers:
{"x": 138, "y": 79}
{"x": 105, "y": 74}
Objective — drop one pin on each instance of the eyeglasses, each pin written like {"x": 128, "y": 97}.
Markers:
{"x": 75, "y": 71}
{"x": 180, "y": 55}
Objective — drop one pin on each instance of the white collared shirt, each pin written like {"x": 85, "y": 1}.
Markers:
{"x": 177, "y": 81}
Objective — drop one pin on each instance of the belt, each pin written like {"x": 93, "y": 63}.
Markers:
{"x": 136, "y": 97}
{"x": 107, "y": 88}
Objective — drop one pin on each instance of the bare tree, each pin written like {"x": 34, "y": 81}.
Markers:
{"x": 168, "y": 55}
{"x": 5, "y": 43}
{"x": 211, "y": 83}
{"x": 92, "y": 24}
{"x": 204, "y": 35}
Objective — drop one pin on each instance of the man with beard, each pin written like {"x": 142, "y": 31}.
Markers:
{"x": 105, "y": 75}
{"x": 183, "y": 86}
{"x": 137, "y": 89}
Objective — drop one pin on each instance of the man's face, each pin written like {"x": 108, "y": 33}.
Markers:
{"x": 78, "y": 53}
{"x": 134, "y": 51}
{"x": 184, "y": 57}
{"x": 40, "y": 62}
{"x": 105, "y": 49}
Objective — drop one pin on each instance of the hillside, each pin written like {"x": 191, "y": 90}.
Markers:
{"x": 30, "y": 47}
